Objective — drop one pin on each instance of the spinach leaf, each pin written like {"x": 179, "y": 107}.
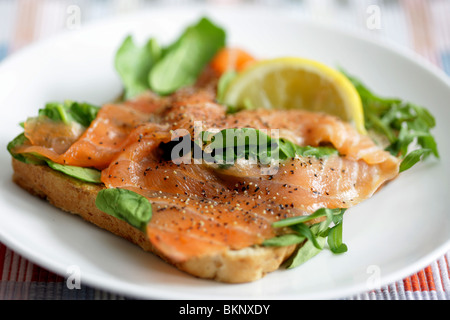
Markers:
{"x": 125, "y": 205}
{"x": 405, "y": 125}
{"x": 187, "y": 57}
{"x": 83, "y": 174}
{"x": 228, "y": 145}
{"x": 67, "y": 112}
{"x": 305, "y": 231}
{"x": 55, "y": 111}
{"x": 133, "y": 64}
{"x": 412, "y": 158}
{"x": 80, "y": 173}
{"x": 306, "y": 252}
{"x": 334, "y": 234}
{"x": 26, "y": 158}
{"x": 318, "y": 152}
{"x": 82, "y": 112}
{"x": 166, "y": 69}
{"x": 289, "y": 150}
{"x": 312, "y": 238}
{"x": 284, "y": 240}
{"x": 335, "y": 239}
{"x": 70, "y": 111}
{"x": 292, "y": 221}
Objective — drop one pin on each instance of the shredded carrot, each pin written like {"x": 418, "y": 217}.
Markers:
{"x": 231, "y": 59}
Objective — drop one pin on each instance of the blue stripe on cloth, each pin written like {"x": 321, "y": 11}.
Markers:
{"x": 3, "y": 51}
{"x": 52, "y": 291}
{"x": 445, "y": 57}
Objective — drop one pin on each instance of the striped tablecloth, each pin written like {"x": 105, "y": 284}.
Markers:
{"x": 421, "y": 25}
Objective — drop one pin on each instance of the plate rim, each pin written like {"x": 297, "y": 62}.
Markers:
{"x": 387, "y": 44}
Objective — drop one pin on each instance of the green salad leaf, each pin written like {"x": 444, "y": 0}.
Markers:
{"x": 284, "y": 240}
{"x": 55, "y": 111}
{"x": 334, "y": 234}
{"x": 289, "y": 150}
{"x": 80, "y": 173}
{"x": 20, "y": 140}
{"x": 228, "y": 145}
{"x": 67, "y": 112}
{"x": 133, "y": 64}
{"x": 306, "y": 252}
{"x": 312, "y": 238}
{"x": 166, "y": 69}
{"x": 414, "y": 157}
{"x": 183, "y": 62}
{"x": 405, "y": 126}
{"x": 83, "y": 113}
{"x": 70, "y": 111}
{"x": 125, "y": 205}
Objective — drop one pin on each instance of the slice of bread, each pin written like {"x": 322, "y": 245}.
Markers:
{"x": 76, "y": 197}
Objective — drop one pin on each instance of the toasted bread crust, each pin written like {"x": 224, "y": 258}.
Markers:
{"x": 76, "y": 197}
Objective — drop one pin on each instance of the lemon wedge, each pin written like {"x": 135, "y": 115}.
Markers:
{"x": 296, "y": 83}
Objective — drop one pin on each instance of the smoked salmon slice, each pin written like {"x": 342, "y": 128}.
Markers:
{"x": 92, "y": 147}
{"x": 201, "y": 208}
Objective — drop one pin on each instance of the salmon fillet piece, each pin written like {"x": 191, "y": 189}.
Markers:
{"x": 201, "y": 209}
{"x": 96, "y": 146}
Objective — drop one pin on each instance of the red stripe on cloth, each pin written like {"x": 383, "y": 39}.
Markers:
{"x": 415, "y": 282}
{"x": 422, "y": 280}
{"x": 18, "y": 272}
{"x": 25, "y": 28}
{"x": 415, "y": 286}
{"x": 448, "y": 268}
{"x": 420, "y": 20}
{"x": 10, "y": 258}
{"x": 407, "y": 284}
{"x": 2, "y": 259}
{"x": 430, "y": 278}
{"x": 442, "y": 273}
{"x": 40, "y": 274}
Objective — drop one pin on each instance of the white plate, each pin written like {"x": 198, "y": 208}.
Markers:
{"x": 397, "y": 232}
